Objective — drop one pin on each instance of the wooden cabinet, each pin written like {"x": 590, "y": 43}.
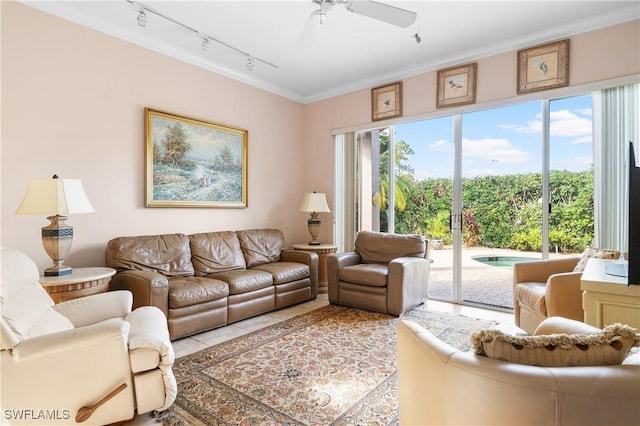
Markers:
{"x": 607, "y": 299}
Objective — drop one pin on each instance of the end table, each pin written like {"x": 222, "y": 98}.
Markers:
{"x": 81, "y": 282}
{"x": 322, "y": 250}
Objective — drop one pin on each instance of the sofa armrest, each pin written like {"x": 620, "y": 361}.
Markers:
{"x": 407, "y": 283}
{"x": 308, "y": 258}
{"x": 71, "y": 340}
{"x": 97, "y": 307}
{"x": 70, "y": 369}
{"x": 148, "y": 288}
{"x": 540, "y": 270}
{"x": 563, "y": 296}
{"x": 335, "y": 261}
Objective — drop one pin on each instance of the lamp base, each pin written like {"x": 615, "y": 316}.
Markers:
{"x": 313, "y": 223}
{"x": 57, "y": 271}
{"x": 56, "y": 240}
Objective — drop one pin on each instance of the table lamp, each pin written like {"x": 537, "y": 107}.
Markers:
{"x": 57, "y": 198}
{"x": 314, "y": 203}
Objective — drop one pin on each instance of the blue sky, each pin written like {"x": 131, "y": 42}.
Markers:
{"x": 503, "y": 140}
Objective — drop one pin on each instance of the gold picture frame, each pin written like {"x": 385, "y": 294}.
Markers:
{"x": 543, "y": 67}
{"x": 456, "y": 85}
{"x": 386, "y": 101}
{"x": 194, "y": 163}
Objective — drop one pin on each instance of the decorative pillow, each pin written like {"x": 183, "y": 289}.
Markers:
{"x": 590, "y": 252}
{"x": 608, "y": 347}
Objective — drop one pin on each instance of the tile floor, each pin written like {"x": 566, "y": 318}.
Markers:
{"x": 189, "y": 345}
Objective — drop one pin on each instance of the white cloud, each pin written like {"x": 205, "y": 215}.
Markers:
{"x": 584, "y": 139}
{"x": 494, "y": 150}
{"x": 563, "y": 123}
{"x": 567, "y": 124}
{"x": 439, "y": 144}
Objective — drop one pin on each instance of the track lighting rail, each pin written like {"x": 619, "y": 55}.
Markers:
{"x": 141, "y": 8}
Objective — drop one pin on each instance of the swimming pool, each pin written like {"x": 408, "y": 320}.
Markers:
{"x": 502, "y": 261}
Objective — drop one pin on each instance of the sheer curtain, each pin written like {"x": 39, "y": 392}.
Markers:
{"x": 344, "y": 208}
{"x": 615, "y": 122}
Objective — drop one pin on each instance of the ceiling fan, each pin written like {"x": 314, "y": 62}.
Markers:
{"x": 380, "y": 11}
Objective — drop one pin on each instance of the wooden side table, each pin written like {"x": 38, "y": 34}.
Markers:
{"x": 322, "y": 250}
{"x": 81, "y": 282}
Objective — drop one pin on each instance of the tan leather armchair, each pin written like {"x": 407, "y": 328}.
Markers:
{"x": 386, "y": 273}
{"x": 441, "y": 385}
{"x": 57, "y": 359}
{"x": 546, "y": 288}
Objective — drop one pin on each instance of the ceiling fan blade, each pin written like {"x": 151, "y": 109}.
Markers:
{"x": 310, "y": 31}
{"x": 383, "y": 12}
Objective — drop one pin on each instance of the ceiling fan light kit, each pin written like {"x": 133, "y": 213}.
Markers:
{"x": 372, "y": 9}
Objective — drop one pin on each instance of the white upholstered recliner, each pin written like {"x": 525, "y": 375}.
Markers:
{"x": 56, "y": 359}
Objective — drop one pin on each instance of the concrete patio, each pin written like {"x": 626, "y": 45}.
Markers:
{"x": 483, "y": 284}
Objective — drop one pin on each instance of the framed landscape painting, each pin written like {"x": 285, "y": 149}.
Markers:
{"x": 193, "y": 163}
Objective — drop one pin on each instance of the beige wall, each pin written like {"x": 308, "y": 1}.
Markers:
{"x": 73, "y": 102}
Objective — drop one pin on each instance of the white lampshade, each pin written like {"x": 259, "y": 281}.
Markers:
{"x": 314, "y": 202}
{"x": 55, "y": 196}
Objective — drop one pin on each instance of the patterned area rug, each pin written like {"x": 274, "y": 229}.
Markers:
{"x": 332, "y": 366}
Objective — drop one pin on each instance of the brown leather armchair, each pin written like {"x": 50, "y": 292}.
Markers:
{"x": 386, "y": 273}
{"x": 546, "y": 288}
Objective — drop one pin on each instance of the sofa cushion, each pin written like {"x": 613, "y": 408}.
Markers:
{"x": 167, "y": 254}
{"x": 560, "y": 325}
{"x": 284, "y": 272}
{"x": 608, "y": 347}
{"x": 371, "y": 274}
{"x": 260, "y": 246}
{"x": 244, "y": 281}
{"x": 215, "y": 252}
{"x": 190, "y": 291}
{"x": 380, "y": 247}
{"x": 596, "y": 253}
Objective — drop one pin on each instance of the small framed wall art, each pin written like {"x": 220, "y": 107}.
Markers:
{"x": 193, "y": 163}
{"x": 543, "y": 67}
{"x": 386, "y": 101}
{"x": 456, "y": 85}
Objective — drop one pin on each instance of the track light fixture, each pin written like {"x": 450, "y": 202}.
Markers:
{"x": 142, "y": 18}
{"x": 250, "y": 63}
{"x": 205, "y": 39}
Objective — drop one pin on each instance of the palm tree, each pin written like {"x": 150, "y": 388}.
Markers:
{"x": 403, "y": 179}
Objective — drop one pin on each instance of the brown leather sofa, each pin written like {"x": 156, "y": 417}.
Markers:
{"x": 207, "y": 280}
{"x": 386, "y": 273}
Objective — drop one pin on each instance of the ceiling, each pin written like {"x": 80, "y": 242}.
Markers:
{"x": 350, "y": 51}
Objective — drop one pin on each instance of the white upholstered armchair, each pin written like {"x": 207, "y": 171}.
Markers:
{"x": 56, "y": 359}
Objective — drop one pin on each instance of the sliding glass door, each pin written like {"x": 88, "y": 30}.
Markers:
{"x": 487, "y": 189}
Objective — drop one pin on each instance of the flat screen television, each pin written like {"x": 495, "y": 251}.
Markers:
{"x": 631, "y": 269}
{"x": 634, "y": 218}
